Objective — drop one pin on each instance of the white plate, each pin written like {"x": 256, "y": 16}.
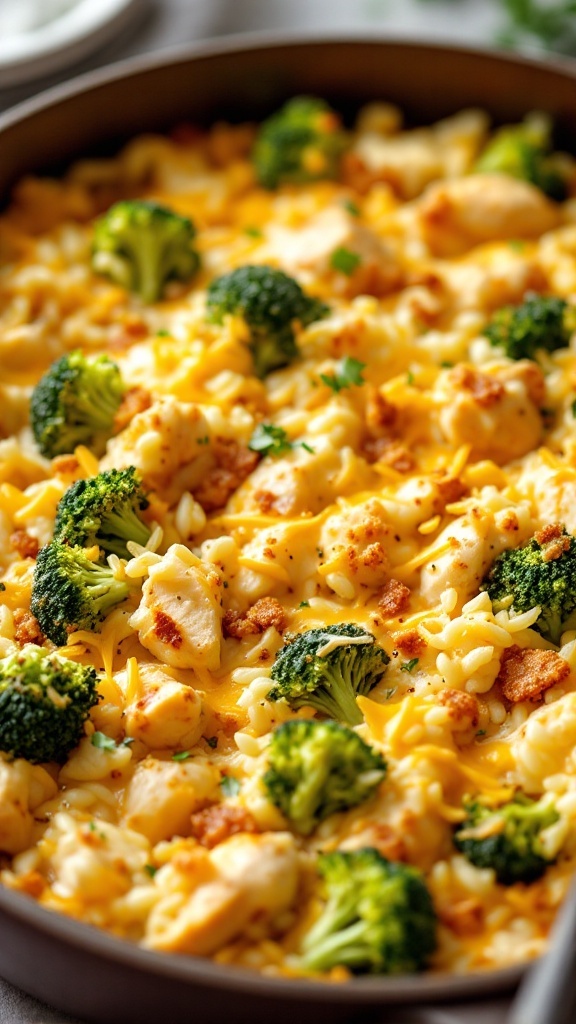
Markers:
{"x": 81, "y": 28}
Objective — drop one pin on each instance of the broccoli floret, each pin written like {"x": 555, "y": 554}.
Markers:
{"x": 44, "y": 702}
{"x": 103, "y": 510}
{"x": 540, "y": 322}
{"x": 71, "y": 592}
{"x": 327, "y": 669}
{"x": 75, "y": 402}
{"x": 523, "y": 151}
{"x": 542, "y": 572}
{"x": 379, "y": 916}
{"x": 142, "y": 245}
{"x": 319, "y": 768}
{"x": 508, "y": 838}
{"x": 301, "y": 142}
{"x": 269, "y": 301}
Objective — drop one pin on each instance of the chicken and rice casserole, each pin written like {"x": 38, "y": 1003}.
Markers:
{"x": 287, "y": 542}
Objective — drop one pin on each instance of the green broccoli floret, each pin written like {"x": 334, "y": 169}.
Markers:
{"x": 542, "y": 572}
{"x": 508, "y": 838}
{"x": 270, "y": 302}
{"x": 319, "y": 768}
{"x": 103, "y": 510}
{"x": 540, "y": 322}
{"x": 301, "y": 142}
{"x": 142, "y": 245}
{"x": 75, "y": 402}
{"x": 71, "y": 592}
{"x": 327, "y": 669}
{"x": 524, "y": 151}
{"x": 379, "y": 916}
{"x": 44, "y": 702}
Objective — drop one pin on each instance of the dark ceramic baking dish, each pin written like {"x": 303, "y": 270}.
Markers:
{"x": 70, "y": 965}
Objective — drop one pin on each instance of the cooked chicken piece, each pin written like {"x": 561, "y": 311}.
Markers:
{"x": 94, "y": 862}
{"x": 354, "y": 545}
{"x": 495, "y": 412}
{"x": 23, "y": 787}
{"x": 552, "y": 491}
{"x": 252, "y": 876}
{"x": 167, "y": 445}
{"x": 474, "y": 540}
{"x": 179, "y": 616}
{"x": 307, "y": 253}
{"x": 162, "y": 795}
{"x": 410, "y": 161}
{"x": 166, "y": 713}
{"x": 457, "y": 215}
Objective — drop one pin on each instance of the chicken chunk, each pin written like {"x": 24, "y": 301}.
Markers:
{"x": 179, "y": 617}
{"x": 552, "y": 491}
{"x": 494, "y": 412}
{"x": 162, "y": 795}
{"x": 167, "y": 445}
{"x": 245, "y": 877}
{"x": 473, "y": 541}
{"x": 94, "y": 861}
{"x": 410, "y": 161}
{"x": 457, "y": 215}
{"x": 23, "y": 787}
{"x": 354, "y": 546}
{"x": 307, "y": 253}
{"x": 166, "y": 714}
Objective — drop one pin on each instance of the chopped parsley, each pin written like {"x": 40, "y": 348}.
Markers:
{"x": 181, "y": 755}
{"x": 269, "y": 439}
{"x": 409, "y": 666}
{"x": 212, "y": 742}
{"x": 229, "y": 785}
{"x": 150, "y": 870}
{"x": 304, "y": 604}
{"x": 253, "y": 232}
{"x": 352, "y": 207}
{"x": 348, "y": 374}
{"x": 410, "y": 378}
{"x": 573, "y": 407}
{"x": 345, "y": 261}
{"x": 102, "y": 741}
{"x": 2, "y": 587}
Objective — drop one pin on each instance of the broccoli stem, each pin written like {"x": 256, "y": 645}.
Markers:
{"x": 97, "y": 406}
{"x": 347, "y": 946}
{"x": 339, "y": 702}
{"x": 105, "y": 590}
{"x": 126, "y": 525}
{"x": 146, "y": 253}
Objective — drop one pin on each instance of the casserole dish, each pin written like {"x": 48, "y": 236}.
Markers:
{"x": 82, "y": 971}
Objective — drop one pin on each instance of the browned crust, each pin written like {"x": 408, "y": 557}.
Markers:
{"x": 485, "y": 391}
{"x": 462, "y": 707}
{"x": 525, "y": 674}
{"x": 24, "y": 544}
{"x": 394, "y": 598}
{"x": 234, "y": 462}
{"x": 135, "y": 400}
{"x": 215, "y": 824}
{"x": 26, "y": 628}
{"x": 167, "y": 630}
{"x": 264, "y": 613}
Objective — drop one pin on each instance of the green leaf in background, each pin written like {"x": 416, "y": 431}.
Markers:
{"x": 551, "y": 25}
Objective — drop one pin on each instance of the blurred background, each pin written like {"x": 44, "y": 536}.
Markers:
{"x": 43, "y": 42}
